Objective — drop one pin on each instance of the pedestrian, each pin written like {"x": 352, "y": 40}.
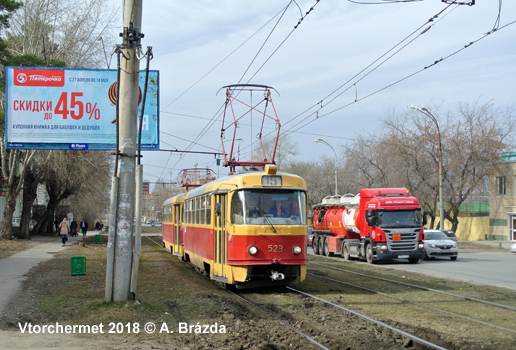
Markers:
{"x": 64, "y": 230}
{"x": 84, "y": 227}
{"x": 73, "y": 228}
{"x": 56, "y": 225}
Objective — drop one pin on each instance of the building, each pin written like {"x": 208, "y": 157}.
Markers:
{"x": 502, "y": 201}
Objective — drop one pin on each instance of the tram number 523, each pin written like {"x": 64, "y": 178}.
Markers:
{"x": 275, "y": 248}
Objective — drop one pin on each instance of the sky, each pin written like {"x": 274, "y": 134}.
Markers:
{"x": 375, "y": 54}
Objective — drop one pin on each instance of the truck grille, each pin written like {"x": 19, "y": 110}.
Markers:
{"x": 408, "y": 240}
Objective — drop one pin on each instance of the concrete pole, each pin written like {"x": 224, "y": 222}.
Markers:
{"x": 128, "y": 102}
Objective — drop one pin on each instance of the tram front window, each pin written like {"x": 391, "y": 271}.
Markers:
{"x": 264, "y": 207}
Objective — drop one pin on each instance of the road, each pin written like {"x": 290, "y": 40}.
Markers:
{"x": 493, "y": 268}
{"x": 490, "y": 267}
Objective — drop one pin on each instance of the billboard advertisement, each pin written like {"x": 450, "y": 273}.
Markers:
{"x": 65, "y": 108}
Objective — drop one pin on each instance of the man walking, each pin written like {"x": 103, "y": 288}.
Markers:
{"x": 84, "y": 227}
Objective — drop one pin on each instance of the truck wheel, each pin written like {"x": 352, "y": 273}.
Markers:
{"x": 327, "y": 247}
{"x": 345, "y": 251}
{"x": 369, "y": 254}
{"x": 321, "y": 245}
{"x": 315, "y": 245}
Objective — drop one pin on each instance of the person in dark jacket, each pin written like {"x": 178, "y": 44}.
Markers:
{"x": 84, "y": 227}
{"x": 73, "y": 228}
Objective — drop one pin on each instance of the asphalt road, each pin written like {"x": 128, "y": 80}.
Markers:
{"x": 493, "y": 268}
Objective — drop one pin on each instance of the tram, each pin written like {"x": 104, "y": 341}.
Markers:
{"x": 245, "y": 230}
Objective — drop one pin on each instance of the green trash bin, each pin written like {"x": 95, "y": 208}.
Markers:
{"x": 78, "y": 265}
{"x": 98, "y": 238}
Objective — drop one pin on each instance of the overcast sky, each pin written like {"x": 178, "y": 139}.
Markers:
{"x": 201, "y": 46}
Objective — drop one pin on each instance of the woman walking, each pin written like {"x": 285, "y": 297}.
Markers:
{"x": 64, "y": 229}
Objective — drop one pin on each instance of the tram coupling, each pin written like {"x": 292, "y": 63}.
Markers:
{"x": 277, "y": 276}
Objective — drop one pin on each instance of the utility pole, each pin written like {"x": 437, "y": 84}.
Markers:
{"x": 121, "y": 242}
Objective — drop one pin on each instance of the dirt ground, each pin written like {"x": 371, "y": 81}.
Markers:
{"x": 188, "y": 311}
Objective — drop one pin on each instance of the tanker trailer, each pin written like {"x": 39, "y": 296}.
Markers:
{"x": 378, "y": 224}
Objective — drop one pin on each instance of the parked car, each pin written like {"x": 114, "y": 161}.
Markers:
{"x": 513, "y": 248}
{"x": 156, "y": 224}
{"x": 438, "y": 244}
{"x": 450, "y": 234}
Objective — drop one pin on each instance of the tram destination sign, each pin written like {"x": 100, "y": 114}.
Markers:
{"x": 65, "y": 108}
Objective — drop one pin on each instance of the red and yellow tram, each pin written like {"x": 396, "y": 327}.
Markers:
{"x": 247, "y": 229}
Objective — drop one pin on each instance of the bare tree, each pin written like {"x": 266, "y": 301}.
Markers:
{"x": 14, "y": 165}
{"x": 69, "y": 33}
{"x": 472, "y": 139}
{"x": 73, "y": 173}
{"x": 65, "y": 30}
{"x": 286, "y": 149}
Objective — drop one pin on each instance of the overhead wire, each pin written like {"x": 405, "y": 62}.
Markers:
{"x": 410, "y": 75}
{"x": 225, "y": 58}
{"x": 322, "y": 103}
{"x": 213, "y": 120}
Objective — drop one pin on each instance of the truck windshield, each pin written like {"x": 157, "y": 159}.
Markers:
{"x": 400, "y": 218}
{"x": 266, "y": 207}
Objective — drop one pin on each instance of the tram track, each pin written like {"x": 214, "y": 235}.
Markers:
{"x": 419, "y": 287}
{"x": 304, "y": 329}
{"x": 335, "y": 306}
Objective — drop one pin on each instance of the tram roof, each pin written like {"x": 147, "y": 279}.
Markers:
{"x": 231, "y": 182}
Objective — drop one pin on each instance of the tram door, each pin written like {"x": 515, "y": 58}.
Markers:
{"x": 219, "y": 235}
{"x": 177, "y": 229}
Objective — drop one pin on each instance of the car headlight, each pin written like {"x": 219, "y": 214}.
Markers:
{"x": 454, "y": 245}
{"x": 433, "y": 245}
{"x": 297, "y": 250}
{"x": 252, "y": 250}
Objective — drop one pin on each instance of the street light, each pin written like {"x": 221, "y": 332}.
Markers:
{"x": 336, "y": 183}
{"x": 441, "y": 204}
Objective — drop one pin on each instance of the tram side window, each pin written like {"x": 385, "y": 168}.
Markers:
{"x": 203, "y": 209}
{"x": 190, "y": 210}
{"x": 208, "y": 209}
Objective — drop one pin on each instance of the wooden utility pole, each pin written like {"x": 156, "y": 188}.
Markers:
{"x": 120, "y": 245}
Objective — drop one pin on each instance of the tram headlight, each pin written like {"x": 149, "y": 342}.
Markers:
{"x": 297, "y": 250}
{"x": 252, "y": 250}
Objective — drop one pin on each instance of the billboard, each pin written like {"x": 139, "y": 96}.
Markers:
{"x": 56, "y": 108}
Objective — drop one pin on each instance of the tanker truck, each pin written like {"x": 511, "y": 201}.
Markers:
{"x": 378, "y": 224}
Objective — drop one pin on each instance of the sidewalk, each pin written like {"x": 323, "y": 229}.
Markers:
{"x": 14, "y": 268}
{"x": 504, "y": 245}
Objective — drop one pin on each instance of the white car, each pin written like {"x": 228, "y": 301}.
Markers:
{"x": 513, "y": 248}
{"x": 437, "y": 244}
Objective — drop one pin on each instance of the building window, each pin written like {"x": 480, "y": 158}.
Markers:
{"x": 501, "y": 184}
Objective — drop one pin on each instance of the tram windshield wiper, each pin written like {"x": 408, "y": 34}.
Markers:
{"x": 260, "y": 212}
